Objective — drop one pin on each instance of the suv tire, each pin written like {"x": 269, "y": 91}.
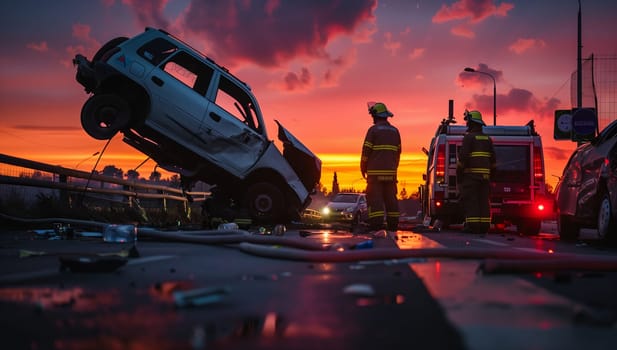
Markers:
{"x": 102, "y": 116}
{"x": 606, "y": 222}
{"x": 111, "y": 44}
{"x": 265, "y": 202}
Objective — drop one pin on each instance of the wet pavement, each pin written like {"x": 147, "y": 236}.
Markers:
{"x": 305, "y": 289}
{"x": 210, "y": 296}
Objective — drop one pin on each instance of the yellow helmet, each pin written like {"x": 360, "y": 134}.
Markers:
{"x": 474, "y": 116}
{"x": 379, "y": 110}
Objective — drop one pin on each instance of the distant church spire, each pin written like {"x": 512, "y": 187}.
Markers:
{"x": 335, "y": 188}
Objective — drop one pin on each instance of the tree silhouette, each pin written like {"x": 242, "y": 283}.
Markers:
{"x": 132, "y": 175}
{"x": 111, "y": 170}
{"x": 155, "y": 176}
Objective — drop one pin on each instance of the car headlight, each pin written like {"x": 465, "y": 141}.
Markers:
{"x": 349, "y": 210}
{"x": 325, "y": 211}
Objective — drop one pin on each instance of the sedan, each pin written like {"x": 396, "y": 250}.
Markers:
{"x": 346, "y": 207}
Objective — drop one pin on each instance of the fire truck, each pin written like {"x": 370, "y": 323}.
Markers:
{"x": 518, "y": 194}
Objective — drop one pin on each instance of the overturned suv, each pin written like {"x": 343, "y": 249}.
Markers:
{"x": 194, "y": 118}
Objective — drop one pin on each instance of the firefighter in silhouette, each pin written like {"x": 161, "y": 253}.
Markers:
{"x": 474, "y": 169}
{"x": 381, "y": 153}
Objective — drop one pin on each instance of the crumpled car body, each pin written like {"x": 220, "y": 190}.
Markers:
{"x": 586, "y": 194}
{"x": 194, "y": 118}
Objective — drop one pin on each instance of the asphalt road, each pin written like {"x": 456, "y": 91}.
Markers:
{"x": 310, "y": 288}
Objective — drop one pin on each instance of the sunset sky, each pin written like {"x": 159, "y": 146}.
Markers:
{"x": 313, "y": 65}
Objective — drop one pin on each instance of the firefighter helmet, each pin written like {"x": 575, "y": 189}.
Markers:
{"x": 474, "y": 116}
{"x": 379, "y": 110}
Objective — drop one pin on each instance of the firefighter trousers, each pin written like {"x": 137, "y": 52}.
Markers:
{"x": 476, "y": 203}
{"x": 382, "y": 202}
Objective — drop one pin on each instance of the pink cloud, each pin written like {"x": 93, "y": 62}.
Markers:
{"x": 417, "y": 53}
{"x": 473, "y": 10}
{"x": 464, "y": 31}
{"x": 39, "y": 47}
{"x": 89, "y": 45}
{"x": 523, "y": 44}
{"x": 287, "y": 29}
{"x": 390, "y": 44}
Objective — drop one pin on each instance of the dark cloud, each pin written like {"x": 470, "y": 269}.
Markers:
{"x": 481, "y": 77}
{"x": 149, "y": 13}
{"x": 269, "y": 33}
{"x": 295, "y": 81}
{"x": 517, "y": 100}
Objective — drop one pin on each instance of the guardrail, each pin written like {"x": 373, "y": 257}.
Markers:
{"x": 71, "y": 181}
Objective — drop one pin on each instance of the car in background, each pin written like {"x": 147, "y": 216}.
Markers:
{"x": 586, "y": 194}
{"x": 346, "y": 207}
{"x": 196, "y": 119}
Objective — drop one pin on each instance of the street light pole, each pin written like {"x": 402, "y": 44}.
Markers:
{"x": 85, "y": 159}
{"x": 471, "y": 70}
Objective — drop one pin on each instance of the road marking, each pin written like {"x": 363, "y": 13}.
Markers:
{"x": 149, "y": 259}
{"x": 488, "y": 241}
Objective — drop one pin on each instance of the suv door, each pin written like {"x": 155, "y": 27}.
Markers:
{"x": 177, "y": 92}
{"x": 232, "y": 129}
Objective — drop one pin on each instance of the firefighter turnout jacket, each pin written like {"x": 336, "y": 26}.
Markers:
{"x": 381, "y": 152}
{"x": 476, "y": 157}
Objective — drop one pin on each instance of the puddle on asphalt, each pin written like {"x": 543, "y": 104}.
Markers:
{"x": 76, "y": 298}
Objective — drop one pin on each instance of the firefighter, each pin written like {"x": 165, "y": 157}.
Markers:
{"x": 381, "y": 152}
{"x": 474, "y": 169}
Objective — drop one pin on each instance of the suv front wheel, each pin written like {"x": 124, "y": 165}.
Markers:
{"x": 102, "y": 116}
{"x": 265, "y": 202}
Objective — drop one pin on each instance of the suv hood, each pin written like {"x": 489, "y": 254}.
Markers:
{"x": 304, "y": 162}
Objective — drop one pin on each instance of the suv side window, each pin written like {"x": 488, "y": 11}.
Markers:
{"x": 237, "y": 103}
{"x": 157, "y": 50}
{"x": 190, "y": 71}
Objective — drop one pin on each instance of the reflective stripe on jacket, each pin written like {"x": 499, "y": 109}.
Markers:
{"x": 476, "y": 155}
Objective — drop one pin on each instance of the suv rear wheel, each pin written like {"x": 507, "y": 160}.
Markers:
{"x": 606, "y": 222}
{"x": 265, "y": 202}
{"x": 102, "y": 116}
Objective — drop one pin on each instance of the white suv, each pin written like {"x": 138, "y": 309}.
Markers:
{"x": 195, "y": 118}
